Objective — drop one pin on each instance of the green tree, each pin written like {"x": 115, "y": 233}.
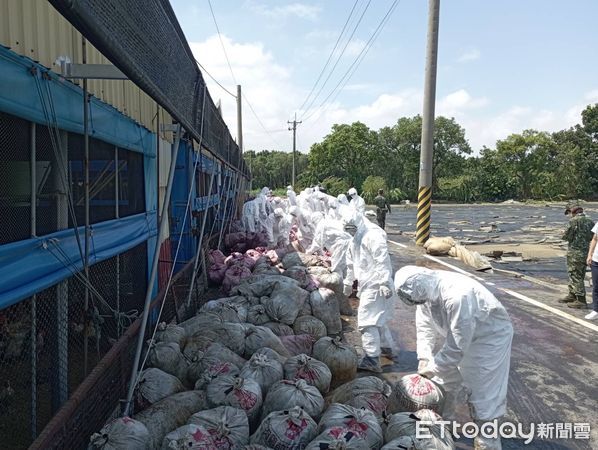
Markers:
{"x": 370, "y": 187}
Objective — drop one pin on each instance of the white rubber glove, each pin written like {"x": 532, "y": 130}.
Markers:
{"x": 422, "y": 365}
{"x": 385, "y": 291}
{"x": 347, "y": 290}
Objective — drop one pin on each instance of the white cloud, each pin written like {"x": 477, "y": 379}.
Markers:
{"x": 459, "y": 101}
{"x": 469, "y": 55}
{"x": 301, "y": 10}
{"x": 354, "y": 48}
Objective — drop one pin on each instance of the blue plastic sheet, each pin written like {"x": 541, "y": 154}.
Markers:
{"x": 29, "y": 266}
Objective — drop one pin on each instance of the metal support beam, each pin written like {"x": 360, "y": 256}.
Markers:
{"x": 33, "y": 335}
{"x": 91, "y": 71}
{"x": 154, "y": 271}
{"x": 200, "y": 243}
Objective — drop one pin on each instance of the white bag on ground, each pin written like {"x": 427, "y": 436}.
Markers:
{"x": 230, "y": 334}
{"x": 264, "y": 370}
{"x": 284, "y": 303}
{"x": 154, "y": 385}
{"x": 324, "y": 306}
{"x": 123, "y": 433}
{"x": 405, "y": 424}
{"x": 187, "y": 437}
{"x": 228, "y": 426}
{"x": 300, "y": 259}
{"x": 195, "y": 346}
{"x": 257, "y": 315}
{"x": 292, "y": 429}
{"x": 299, "y": 344}
{"x": 414, "y": 392}
{"x": 314, "y": 372}
{"x": 338, "y": 439}
{"x": 361, "y": 421}
{"x": 366, "y": 392}
{"x": 170, "y": 413}
{"x": 200, "y": 323}
{"x": 167, "y": 357}
{"x": 279, "y": 329}
{"x": 242, "y": 393}
{"x": 214, "y": 371}
{"x": 310, "y": 325}
{"x": 285, "y": 394}
{"x": 257, "y": 337}
{"x": 403, "y": 443}
{"x": 439, "y": 246}
{"x": 170, "y": 333}
{"x": 218, "y": 350}
{"x": 211, "y": 365}
{"x": 227, "y": 310}
{"x": 271, "y": 354}
{"x": 340, "y": 358}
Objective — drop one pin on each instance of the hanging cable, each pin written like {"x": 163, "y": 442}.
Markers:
{"x": 338, "y": 59}
{"x": 215, "y": 80}
{"x": 353, "y": 67}
{"x": 329, "y": 56}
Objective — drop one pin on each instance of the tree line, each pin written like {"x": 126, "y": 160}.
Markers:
{"x": 523, "y": 166}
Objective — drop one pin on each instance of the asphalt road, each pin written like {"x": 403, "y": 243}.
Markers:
{"x": 554, "y": 361}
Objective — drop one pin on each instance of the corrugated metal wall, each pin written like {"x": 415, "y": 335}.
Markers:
{"x": 33, "y": 28}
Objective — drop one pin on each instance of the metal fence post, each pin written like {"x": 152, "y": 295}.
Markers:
{"x": 33, "y": 336}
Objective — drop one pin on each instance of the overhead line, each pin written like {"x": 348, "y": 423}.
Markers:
{"x": 360, "y": 57}
{"x": 329, "y": 56}
{"x": 338, "y": 58}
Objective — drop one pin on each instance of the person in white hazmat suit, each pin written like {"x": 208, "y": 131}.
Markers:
{"x": 281, "y": 228}
{"x": 248, "y": 216}
{"x": 473, "y": 333}
{"x": 368, "y": 262}
{"x": 356, "y": 202}
{"x": 305, "y": 225}
{"x": 291, "y": 196}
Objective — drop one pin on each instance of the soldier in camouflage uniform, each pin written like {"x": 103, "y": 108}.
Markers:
{"x": 382, "y": 207}
{"x": 578, "y": 234}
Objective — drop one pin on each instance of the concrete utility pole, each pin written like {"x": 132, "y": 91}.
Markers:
{"x": 424, "y": 197}
{"x": 294, "y": 128}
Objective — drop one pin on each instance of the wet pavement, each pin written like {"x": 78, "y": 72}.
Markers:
{"x": 554, "y": 361}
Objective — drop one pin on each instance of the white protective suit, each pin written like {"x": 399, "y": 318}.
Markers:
{"x": 291, "y": 196}
{"x": 475, "y": 334}
{"x": 357, "y": 203}
{"x": 281, "y": 228}
{"x": 305, "y": 225}
{"x": 249, "y": 216}
{"x": 368, "y": 262}
{"x": 330, "y": 235}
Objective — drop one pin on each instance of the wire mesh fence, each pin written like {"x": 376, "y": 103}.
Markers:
{"x": 48, "y": 340}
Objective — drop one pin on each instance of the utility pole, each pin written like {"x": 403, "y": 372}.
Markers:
{"x": 294, "y": 128}
{"x": 424, "y": 197}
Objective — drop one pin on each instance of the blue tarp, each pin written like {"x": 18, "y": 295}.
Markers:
{"x": 29, "y": 266}
{"x": 19, "y": 95}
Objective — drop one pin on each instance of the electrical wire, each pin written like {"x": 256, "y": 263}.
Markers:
{"x": 353, "y": 67}
{"x": 215, "y": 80}
{"x": 329, "y": 56}
{"x": 338, "y": 58}
{"x": 234, "y": 78}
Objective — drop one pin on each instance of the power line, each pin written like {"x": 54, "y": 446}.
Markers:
{"x": 338, "y": 59}
{"x": 222, "y": 42}
{"x": 329, "y": 56}
{"x": 230, "y": 67}
{"x": 215, "y": 80}
{"x": 360, "y": 57}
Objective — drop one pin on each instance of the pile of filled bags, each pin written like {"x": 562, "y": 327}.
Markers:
{"x": 266, "y": 368}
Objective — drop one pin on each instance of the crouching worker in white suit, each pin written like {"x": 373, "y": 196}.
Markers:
{"x": 473, "y": 333}
{"x": 369, "y": 263}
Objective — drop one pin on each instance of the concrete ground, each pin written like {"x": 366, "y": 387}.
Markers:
{"x": 554, "y": 361}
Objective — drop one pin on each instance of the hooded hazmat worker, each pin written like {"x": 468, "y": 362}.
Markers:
{"x": 305, "y": 225}
{"x": 368, "y": 262}
{"x": 473, "y": 331}
{"x": 356, "y": 202}
{"x": 281, "y": 228}
{"x": 291, "y": 196}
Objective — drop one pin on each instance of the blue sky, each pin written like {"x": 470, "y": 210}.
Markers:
{"x": 503, "y": 66}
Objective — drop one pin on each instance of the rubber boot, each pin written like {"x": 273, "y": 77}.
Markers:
{"x": 568, "y": 299}
{"x": 370, "y": 363}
